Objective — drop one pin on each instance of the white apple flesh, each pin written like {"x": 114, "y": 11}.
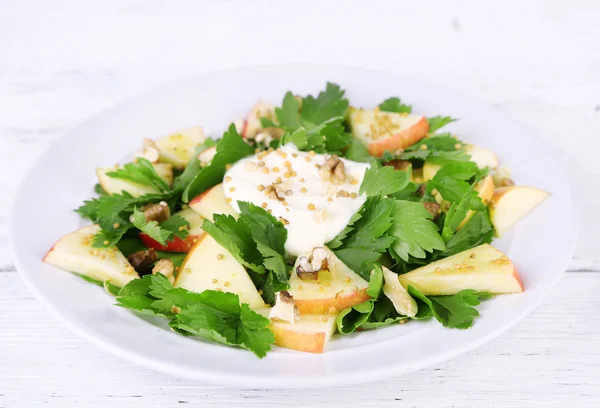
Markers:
{"x": 483, "y": 268}
{"x": 74, "y": 253}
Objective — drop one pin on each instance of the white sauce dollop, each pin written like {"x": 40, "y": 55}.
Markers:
{"x": 314, "y": 210}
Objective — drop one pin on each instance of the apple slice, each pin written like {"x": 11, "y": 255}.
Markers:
{"x": 74, "y": 253}
{"x": 482, "y": 157}
{"x": 483, "y": 268}
{"x": 429, "y": 170}
{"x": 510, "y": 204}
{"x": 177, "y": 148}
{"x": 485, "y": 190}
{"x": 211, "y": 202}
{"x": 390, "y": 131}
{"x": 209, "y": 266}
{"x": 311, "y": 333}
{"x": 335, "y": 289}
{"x": 114, "y": 185}
{"x": 402, "y": 301}
{"x": 252, "y": 124}
{"x": 178, "y": 244}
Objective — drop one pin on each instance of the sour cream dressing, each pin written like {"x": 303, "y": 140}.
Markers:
{"x": 286, "y": 182}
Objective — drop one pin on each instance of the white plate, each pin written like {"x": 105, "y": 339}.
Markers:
{"x": 541, "y": 245}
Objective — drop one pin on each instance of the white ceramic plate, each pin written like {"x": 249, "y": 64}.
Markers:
{"x": 541, "y": 245}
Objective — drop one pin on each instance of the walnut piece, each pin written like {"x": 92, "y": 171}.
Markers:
{"x": 333, "y": 170}
{"x": 285, "y": 309}
{"x": 308, "y": 268}
{"x": 142, "y": 261}
{"x": 157, "y": 212}
{"x": 398, "y": 164}
{"x": 150, "y": 151}
{"x": 166, "y": 267}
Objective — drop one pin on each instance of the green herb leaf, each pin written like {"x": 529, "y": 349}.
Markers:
{"x": 455, "y": 311}
{"x": 213, "y": 315}
{"x": 414, "y": 231}
{"x": 288, "y": 115}
{"x": 151, "y": 228}
{"x": 383, "y": 180}
{"x": 329, "y": 104}
{"x": 437, "y": 122}
{"x": 375, "y": 282}
{"x": 394, "y": 104}
{"x": 363, "y": 241}
{"x": 141, "y": 172}
{"x": 193, "y": 167}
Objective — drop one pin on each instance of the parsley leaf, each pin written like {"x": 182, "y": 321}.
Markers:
{"x": 455, "y": 311}
{"x": 414, "y": 231}
{"x": 193, "y": 167}
{"x": 437, "y": 122}
{"x": 375, "y": 282}
{"x": 89, "y": 209}
{"x": 363, "y": 241}
{"x": 213, "y": 315}
{"x": 288, "y": 115}
{"x": 478, "y": 230}
{"x": 256, "y": 240}
{"x": 230, "y": 148}
{"x": 329, "y": 104}
{"x": 175, "y": 226}
{"x": 383, "y": 180}
{"x": 141, "y": 172}
{"x": 394, "y": 104}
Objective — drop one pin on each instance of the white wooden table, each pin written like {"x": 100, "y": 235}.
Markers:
{"x": 63, "y": 61}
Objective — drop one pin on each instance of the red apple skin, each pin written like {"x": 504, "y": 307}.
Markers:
{"x": 176, "y": 245}
{"x": 244, "y": 129}
{"x": 199, "y": 197}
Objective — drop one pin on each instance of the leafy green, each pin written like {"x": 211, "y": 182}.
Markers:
{"x": 363, "y": 241}
{"x": 193, "y": 167}
{"x": 141, "y": 172}
{"x": 437, "y": 122}
{"x": 230, "y": 148}
{"x": 394, "y": 104}
{"x": 478, "y": 230}
{"x": 327, "y": 105}
{"x": 383, "y": 180}
{"x": 455, "y": 311}
{"x": 357, "y": 151}
{"x": 175, "y": 226}
{"x": 288, "y": 115}
{"x": 348, "y": 320}
{"x": 315, "y": 123}
{"x": 217, "y": 316}
{"x": 99, "y": 190}
{"x": 414, "y": 231}
{"x": 256, "y": 240}
{"x": 375, "y": 282}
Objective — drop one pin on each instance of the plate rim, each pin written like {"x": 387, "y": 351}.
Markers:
{"x": 241, "y": 380}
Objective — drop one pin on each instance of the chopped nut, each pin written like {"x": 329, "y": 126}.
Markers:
{"x": 166, "y": 267}
{"x": 150, "y": 151}
{"x": 157, "y": 212}
{"x": 398, "y": 164}
{"x": 308, "y": 268}
{"x": 333, "y": 170}
{"x": 142, "y": 261}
